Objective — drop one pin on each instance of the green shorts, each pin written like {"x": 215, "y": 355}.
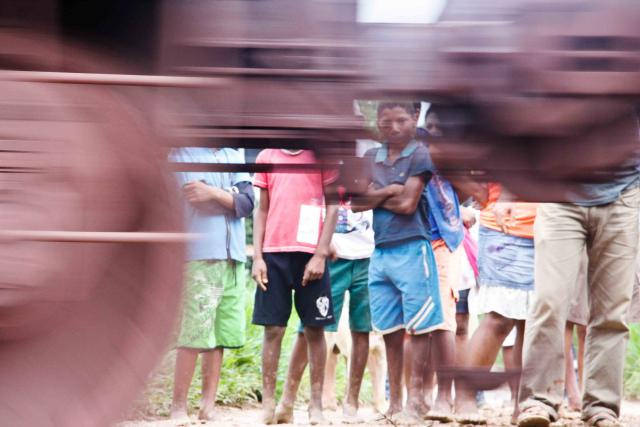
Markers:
{"x": 213, "y": 312}
{"x": 350, "y": 275}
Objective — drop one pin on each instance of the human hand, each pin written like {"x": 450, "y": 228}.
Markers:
{"x": 333, "y": 253}
{"x": 198, "y": 192}
{"x": 314, "y": 269}
{"x": 468, "y": 217}
{"x": 503, "y": 212}
{"x": 395, "y": 189}
{"x": 259, "y": 273}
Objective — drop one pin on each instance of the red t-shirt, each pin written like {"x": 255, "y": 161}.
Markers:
{"x": 296, "y": 202}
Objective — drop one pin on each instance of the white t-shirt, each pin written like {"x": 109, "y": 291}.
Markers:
{"x": 353, "y": 237}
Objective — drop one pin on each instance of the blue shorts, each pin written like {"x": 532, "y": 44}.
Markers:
{"x": 403, "y": 288}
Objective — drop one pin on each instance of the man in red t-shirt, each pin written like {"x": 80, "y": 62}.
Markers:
{"x": 291, "y": 238}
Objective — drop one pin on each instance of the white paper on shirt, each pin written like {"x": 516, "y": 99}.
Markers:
{"x": 309, "y": 224}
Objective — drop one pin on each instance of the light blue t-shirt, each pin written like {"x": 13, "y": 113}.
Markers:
{"x": 224, "y": 234}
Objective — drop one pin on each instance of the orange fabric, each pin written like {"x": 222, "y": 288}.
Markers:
{"x": 519, "y": 224}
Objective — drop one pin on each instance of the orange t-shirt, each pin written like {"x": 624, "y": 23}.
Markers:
{"x": 519, "y": 224}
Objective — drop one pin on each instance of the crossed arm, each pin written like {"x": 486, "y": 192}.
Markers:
{"x": 400, "y": 199}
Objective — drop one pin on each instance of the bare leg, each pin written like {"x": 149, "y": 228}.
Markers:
{"x": 329, "y": 400}
{"x": 317, "y": 354}
{"x": 415, "y": 401}
{"x": 570, "y": 380}
{"x": 406, "y": 365}
{"x": 377, "y": 368}
{"x": 395, "y": 351}
{"x": 508, "y": 355}
{"x": 444, "y": 344}
{"x": 482, "y": 352}
{"x": 272, "y": 343}
{"x": 429, "y": 374}
{"x": 582, "y": 334}
{"x": 211, "y": 365}
{"x": 297, "y": 365}
{"x": 462, "y": 336}
{"x": 359, "y": 355}
{"x": 517, "y": 360}
{"x": 185, "y": 365}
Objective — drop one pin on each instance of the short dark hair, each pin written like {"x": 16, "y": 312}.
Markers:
{"x": 406, "y": 106}
{"x": 435, "y": 109}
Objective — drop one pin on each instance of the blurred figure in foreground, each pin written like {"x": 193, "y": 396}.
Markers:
{"x": 213, "y": 315}
{"x": 447, "y": 235}
{"x": 604, "y": 220}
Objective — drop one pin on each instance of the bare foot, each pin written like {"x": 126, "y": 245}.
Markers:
{"x": 442, "y": 411}
{"x": 467, "y": 412}
{"x": 179, "y": 414}
{"x": 407, "y": 417}
{"x": 284, "y": 414}
{"x": 330, "y": 404}
{"x": 575, "y": 404}
{"x": 207, "y": 411}
{"x": 268, "y": 412}
{"x": 350, "y": 414}
{"x": 392, "y": 411}
{"x": 316, "y": 417}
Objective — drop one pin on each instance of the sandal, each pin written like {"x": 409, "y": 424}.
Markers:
{"x": 604, "y": 419}
{"x": 534, "y": 417}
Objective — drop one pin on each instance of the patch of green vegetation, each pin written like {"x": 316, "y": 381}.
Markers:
{"x": 632, "y": 365}
{"x": 241, "y": 379}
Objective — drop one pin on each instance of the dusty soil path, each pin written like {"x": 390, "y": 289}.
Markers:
{"x": 498, "y": 415}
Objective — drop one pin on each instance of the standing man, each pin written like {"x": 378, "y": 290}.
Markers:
{"x": 604, "y": 220}
{"x": 403, "y": 277}
{"x": 214, "y": 299}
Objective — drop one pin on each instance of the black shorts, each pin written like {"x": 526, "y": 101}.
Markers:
{"x": 313, "y": 302}
{"x": 462, "y": 306}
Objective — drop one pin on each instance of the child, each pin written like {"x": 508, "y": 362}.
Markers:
{"x": 403, "y": 281}
{"x": 214, "y": 302}
{"x": 505, "y": 289}
{"x": 291, "y": 245}
{"x": 447, "y": 235}
{"x": 351, "y": 247}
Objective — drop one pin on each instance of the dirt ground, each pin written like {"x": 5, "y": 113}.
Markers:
{"x": 497, "y": 412}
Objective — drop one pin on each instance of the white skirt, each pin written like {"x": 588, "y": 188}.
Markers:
{"x": 511, "y": 303}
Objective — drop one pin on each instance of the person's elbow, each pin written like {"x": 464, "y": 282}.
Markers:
{"x": 407, "y": 206}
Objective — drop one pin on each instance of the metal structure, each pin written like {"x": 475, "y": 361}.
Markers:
{"x": 535, "y": 93}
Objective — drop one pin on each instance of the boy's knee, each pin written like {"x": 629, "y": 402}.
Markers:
{"x": 462, "y": 324}
{"x": 273, "y": 333}
{"x": 500, "y": 324}
{"x": 313, "y": 333}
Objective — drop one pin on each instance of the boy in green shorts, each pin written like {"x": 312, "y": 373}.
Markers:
{"x": 213, "y": 315}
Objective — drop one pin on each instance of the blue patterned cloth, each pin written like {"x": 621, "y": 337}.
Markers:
{"x": 505, "y": 260}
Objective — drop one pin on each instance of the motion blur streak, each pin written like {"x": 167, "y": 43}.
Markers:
{"x": 536, "y": 94}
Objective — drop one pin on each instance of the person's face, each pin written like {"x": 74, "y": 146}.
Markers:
{"x": 432, "y": 124}
{"x": 396, "y": 125}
